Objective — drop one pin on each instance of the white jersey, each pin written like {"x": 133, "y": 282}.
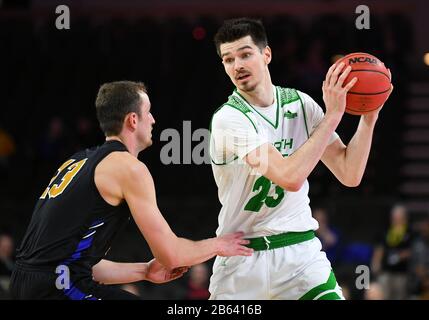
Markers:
{"x": 250, "y": 202}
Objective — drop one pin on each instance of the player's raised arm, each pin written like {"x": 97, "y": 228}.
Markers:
{"x": 291, "y": 172}
{"x": 348, "y": 163}
{"x": 172, "y": 251}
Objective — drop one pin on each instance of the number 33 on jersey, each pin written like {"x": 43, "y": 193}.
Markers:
{"x": 68, "y": 171}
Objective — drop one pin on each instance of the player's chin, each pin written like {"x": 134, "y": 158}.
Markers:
{"x": 247, "y": 86}
{"x": 148, "y": 142}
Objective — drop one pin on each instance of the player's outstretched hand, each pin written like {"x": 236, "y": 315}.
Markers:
{"x": 233, "y": 245}
{"x": 157, "y": 273}
{"x": 334, "y": 90}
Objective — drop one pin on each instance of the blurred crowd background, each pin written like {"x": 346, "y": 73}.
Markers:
{"x": 49, "y": 79}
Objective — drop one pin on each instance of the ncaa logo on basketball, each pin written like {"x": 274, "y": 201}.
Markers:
{"x": 363, "y": 60}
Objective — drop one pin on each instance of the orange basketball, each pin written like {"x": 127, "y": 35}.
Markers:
{"x": 373, "y": 85}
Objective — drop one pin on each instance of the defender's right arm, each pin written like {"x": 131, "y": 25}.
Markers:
{"x": 139, "y": 192}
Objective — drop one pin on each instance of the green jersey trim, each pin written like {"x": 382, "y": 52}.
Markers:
{"x": 305, "y": 116}
{"x": 288, "y": 95}
{"x": 266, "y": 119}
{"x": 239, "y": 108}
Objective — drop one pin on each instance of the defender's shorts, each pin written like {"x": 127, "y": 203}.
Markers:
{"x": 28, "y": 283}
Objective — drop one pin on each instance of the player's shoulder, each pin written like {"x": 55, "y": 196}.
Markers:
{"x": 226, "y": 112}
{"x": 231, "y": 118}
{"x": 289, "y": 95}
{"x": 232, "y": 111}
{"x": 125, "y": 163}
{"x": 233, "y": 106}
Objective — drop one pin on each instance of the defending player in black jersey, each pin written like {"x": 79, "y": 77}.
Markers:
{"x": 91, "y": 196}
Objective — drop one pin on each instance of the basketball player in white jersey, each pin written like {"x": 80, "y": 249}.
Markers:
{"x": 265, "y": 142}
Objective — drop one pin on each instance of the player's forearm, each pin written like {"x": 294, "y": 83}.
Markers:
{"x": 302, "y": 162}
{"x": 357, "y": 151}
{"x": 189, "y": 253}
{"x": 109, "y": 272}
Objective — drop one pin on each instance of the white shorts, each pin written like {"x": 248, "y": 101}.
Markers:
{"x": 299, "y": 271}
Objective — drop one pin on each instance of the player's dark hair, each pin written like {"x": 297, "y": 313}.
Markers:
{"x": 114, "y": 101}
{"x": 235, "y": 29}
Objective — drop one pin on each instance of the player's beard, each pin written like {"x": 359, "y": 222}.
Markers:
{"x": 247, "y": 86}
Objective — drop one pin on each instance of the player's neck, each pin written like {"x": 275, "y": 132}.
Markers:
{"x": 262, "y": 95}
{"x": 129, "y": 142}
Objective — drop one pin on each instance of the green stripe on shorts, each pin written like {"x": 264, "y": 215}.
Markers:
{"x": 327, "y": 286}
{"x": 330, "y": 296}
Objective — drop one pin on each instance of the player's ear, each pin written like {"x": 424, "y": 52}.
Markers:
{"x": 134, "y": 118}
{"x": 267, "y": 54}
{"x": 131, "y": 120}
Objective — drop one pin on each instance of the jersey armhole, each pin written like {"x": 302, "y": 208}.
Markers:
{"x": 304, "y": 115}
{"x": 97, "y": 192}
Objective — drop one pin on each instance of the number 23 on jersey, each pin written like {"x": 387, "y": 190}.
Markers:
{"x": 262, "y": 188}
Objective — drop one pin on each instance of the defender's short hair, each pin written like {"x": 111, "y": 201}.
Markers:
{"x": 114, "y": 101}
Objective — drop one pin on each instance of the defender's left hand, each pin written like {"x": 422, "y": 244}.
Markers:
{"x": 157, "y": 273}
